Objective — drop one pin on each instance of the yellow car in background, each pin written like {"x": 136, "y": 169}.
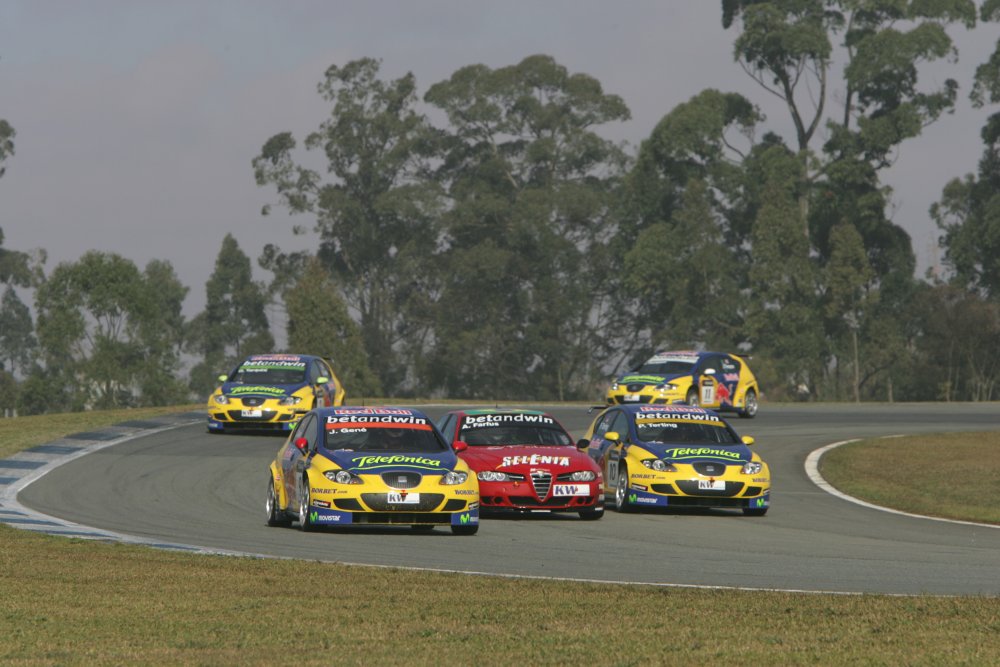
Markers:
{"x": 676, "y": 456}
{"x": 374, "y": 466}
{"x": 716, "y": 380}
{"x": 272, "y": 392}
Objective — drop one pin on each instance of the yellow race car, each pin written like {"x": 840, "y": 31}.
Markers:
{"x": 676, "y": 456}
{"x": 379, "y": 465}
{"x": 716, "y": 380}
{"x": 272, "y": 392}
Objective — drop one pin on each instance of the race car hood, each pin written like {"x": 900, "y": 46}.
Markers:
{"x": 375, "y": 463}
{"x": 633, "y": 378}
{"x": 238, "y": 389}
{"x": 524, "y": 458}
{"x": 730, "y": 454}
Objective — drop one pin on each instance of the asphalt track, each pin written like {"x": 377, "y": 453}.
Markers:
{"x": 186, "y": 486}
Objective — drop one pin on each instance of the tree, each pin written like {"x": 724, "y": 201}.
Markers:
{"x": 234, "y": 323}
{"x": 18, "y": 345}
{"x": 376, "y": 216}
{"x": 101, "y": 324}
{"x": 529, "y": 185}
{"x": 318, "y": 323}
{"x": 6, "y": 143}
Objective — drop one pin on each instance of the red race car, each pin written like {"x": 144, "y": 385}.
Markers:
{"x": 525, "y": 461}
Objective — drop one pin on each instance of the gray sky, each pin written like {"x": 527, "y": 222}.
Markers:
{"x": 137, "y": 120}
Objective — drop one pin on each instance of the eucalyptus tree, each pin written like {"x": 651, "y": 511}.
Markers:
{"x": 234, "y": 322}
{"x": 318, "y": 323}
{"x": 529, "y": 185}
{"x": 685, "y": 225}
{"x": 7, "y": 134}
{"x": 106, "y": 333}
{"x": 375, "y": 211}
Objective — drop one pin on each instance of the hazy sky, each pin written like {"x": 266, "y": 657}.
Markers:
{"x": 137, "y": 120}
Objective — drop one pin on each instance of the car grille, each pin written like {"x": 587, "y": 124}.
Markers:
{"x": 690, "y": 487}
{"x": 455, "y": 505}
{"x": 397, "y": 518}
{"x": 542, "y": 481}
{"x": 348, "y": 505}
{"x": 529, "y": 502}
{"x": 402, "y": 480}
{"x": 663, "y": 488}
{"x": 642, "y": 399}
{"x": 753, "y": 491}
{"x": 379, "y": 502}
{"x": 635, "y": 388}
{"x": 253, "y": 401}
{"x": 710, "y": 469}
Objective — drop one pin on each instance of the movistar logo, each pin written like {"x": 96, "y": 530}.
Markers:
{"x": 652, "y": 379}
{"x": 632, "y": 497}
{"x": 314, "y": 517}
{"x": 257, "y": 389}
{"x": 464, "y": 518}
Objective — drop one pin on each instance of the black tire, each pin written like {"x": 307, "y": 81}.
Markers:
{"x": 592, "y": 513}
{"x": 692, "y": 398}
{"x": 465, "y": 530}
{"x": 275, "y": 515}
{"x": 621, "y": 491}
{"x": 305, "y": 525}
{"x": 754, "y": 511}
{"x": 750, "y": 405}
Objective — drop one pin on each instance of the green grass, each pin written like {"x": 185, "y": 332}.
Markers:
{"x": 77, "y": 602}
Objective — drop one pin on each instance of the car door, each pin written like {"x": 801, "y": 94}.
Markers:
{"x": 294, "y": 460}
{"x": 616, "y": 451}
{"x": 708, "y": 376}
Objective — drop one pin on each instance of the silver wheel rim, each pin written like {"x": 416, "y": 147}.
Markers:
{"x": 304, "y": 507}
{"x": 622, "y": 489}
{"x": 270, "y": 501}
{"x": 693, "y": 399}
{"x": 751, "y": 404}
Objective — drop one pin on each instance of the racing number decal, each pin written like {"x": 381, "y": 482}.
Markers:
{"x": 707, "y": 391}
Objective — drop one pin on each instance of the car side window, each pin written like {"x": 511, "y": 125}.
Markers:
{"x": 307, "y": 429}
{"x": 315, "y": 371}
{"x": 711, "y": 363}
{"x": 603, "y": 425}
{"x": 620, "y": 425}
{"x": 729, "y": 365}
{"x": 447, "y": 428}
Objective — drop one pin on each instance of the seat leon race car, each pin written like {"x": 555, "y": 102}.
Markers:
{"x": 272, "y": 392}
{"x": 346, "y": 466}
{"x": 677, "y": 456}
{"x": 525, "y": 461}
{"x": 716, "y": 380}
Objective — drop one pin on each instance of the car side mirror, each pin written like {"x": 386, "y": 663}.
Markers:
{"x": 459, "y": 445}
{"x": 582, "y": 443}
{"x": 747, "y": 440}
{"x": 613, "y": 436}
{"x": 223, "y": 377}
{"x": 301, "y": 444}
{"x": 322, "y": 379}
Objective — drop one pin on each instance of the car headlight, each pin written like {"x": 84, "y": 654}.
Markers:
{"x": 290, "y": 400}
{"x": 659, "y": 465}
{"x": 614, "y": 386}
{"x": 492, "y": 476}
{"x": 342, "y": 477}
{"x": 663, "y": 388}
{"x": 221, "y": 399}
{"x": 453, "y": 477}
{"x": 583, "y": 476}
{"x": 752, "y": 468}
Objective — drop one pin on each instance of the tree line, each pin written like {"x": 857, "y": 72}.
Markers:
{"x": 481, "y": 239}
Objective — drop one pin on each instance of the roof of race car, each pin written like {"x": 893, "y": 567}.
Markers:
{"x": 279, "y": 357}
{"x": 677, "y": 410}
{"x": 499, "y": 411}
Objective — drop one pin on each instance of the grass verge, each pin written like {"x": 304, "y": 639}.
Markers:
{"x": 68, "y": 602}
{"x": 952, "y": 475}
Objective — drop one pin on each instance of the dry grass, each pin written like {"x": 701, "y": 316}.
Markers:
{"x": 75, "y": 602}
{"x": 955, "y": 476}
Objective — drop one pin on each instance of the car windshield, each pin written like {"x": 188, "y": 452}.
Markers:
{"x": 668, "y": 367}
{"x": 514, "y": 435}
{"x": 261, "y": 374}
{"x": 677, "y": 432}
{"x": 382, "y": 439}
